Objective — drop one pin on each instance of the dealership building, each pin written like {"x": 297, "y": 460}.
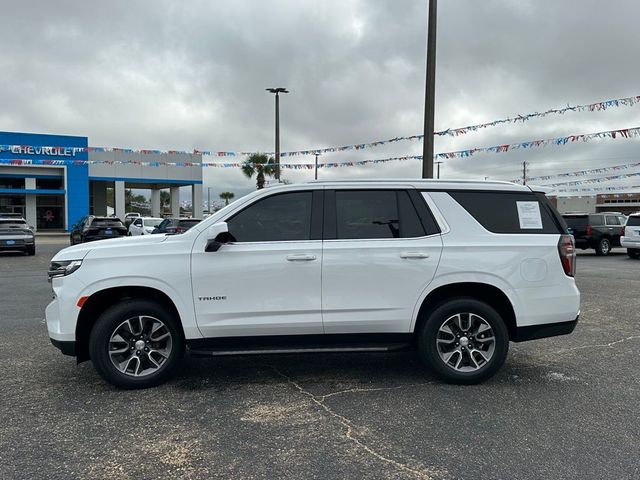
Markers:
{"x": 55, "y": 180}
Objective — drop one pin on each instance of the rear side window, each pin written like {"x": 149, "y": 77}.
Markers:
{"x": 633, "y": 222}
{"x": 613, "y": 220}
{"x": 372, "y": 214}
{"x": 577, "y": 222}
{"x": 596, "y": 219}
{"x": 510, "y": 212}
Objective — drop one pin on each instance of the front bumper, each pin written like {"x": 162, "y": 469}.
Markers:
{"x": 66, "y": 347}
{"x": 534, "y": 332}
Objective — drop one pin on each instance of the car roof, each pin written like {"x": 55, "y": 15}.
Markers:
{"x": 432, "y": 184}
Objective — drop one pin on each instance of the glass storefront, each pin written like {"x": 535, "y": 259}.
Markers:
{"x": 50, "y": 212}
{"x": 12, "y": 204}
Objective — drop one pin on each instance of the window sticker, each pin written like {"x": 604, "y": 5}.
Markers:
{"x": 529, "y": 215}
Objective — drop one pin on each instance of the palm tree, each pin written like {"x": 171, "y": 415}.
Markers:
{"x": 258, "y": 164}
{"x": 226, "y": 196}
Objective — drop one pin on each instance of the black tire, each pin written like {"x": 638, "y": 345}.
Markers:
{"x": 604, "y": 247}
{"x": 633, "y": 253}
{"x": 106, "y": 326}
{"x": 31, "y": 250}
{"x": 428, "y": 349}
{"x": 71, "y": 241}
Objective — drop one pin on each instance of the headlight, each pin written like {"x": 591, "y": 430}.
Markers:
{"x": 63, "y": 268}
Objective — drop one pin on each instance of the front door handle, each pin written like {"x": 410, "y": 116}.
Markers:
{"x": 414, "y": 255}
{"x": 300, "y": 257}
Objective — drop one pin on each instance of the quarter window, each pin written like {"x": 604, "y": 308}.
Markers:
{"x": 282, "y": 217}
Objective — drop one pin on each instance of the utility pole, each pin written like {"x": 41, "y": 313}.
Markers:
{"x": 277, "y": 91}
{"x": 430, "y": 93}
{"x": 438, "y": 174}
{"x": 316, "y": 172}
{"x": 524, "y": 173}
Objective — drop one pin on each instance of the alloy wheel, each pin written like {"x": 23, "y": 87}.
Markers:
{"x": 465, "y": 342}
{"x": 140, "y": 346}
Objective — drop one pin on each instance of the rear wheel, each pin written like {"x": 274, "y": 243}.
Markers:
{"x": 604, "y": 247}
{"x": 633, "y": 252}
{"x": 136, "y": 344}
{"x": 464, "y": 341}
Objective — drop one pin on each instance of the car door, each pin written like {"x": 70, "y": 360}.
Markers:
{"x": 381, "y": 249}
{"x": 136, "y": 227}
{"x": 267, "y": 280}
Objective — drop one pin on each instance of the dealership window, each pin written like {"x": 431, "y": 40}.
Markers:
{"x": 50, "y": 212}
{"x": 11, "y": 182}
{"x": 54, "y": 183}
{"x": 12, "y": 204}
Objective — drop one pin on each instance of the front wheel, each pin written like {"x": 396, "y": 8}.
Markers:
{"x": 136, "y": 344}
{"x": 464, "y": 341}
{"x": 604, "y": 247}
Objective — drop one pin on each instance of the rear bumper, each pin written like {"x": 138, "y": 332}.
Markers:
{"x": 628, "y": 242}
{"x": 533, "y": 332}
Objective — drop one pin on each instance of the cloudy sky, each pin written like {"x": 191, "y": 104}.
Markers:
{"x": 191, "y": 74}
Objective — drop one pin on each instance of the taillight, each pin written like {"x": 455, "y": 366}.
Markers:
{"x": 622, "y": 233}
{"x": 589, "y": 230}
{"x": 567, "y": 251}
{"x": 180, "y": 230}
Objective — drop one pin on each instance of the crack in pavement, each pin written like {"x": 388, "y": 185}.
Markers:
{"x": 377, "y": 389}
{"x": 348, "y": 424}
{"x": 603, "y": 345}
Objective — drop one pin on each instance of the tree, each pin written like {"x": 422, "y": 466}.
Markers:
{"x": 226, "y": 196}
{"x": 258, "y": 164}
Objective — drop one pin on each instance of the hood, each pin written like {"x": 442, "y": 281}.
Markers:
{"x": 114, "y": 246}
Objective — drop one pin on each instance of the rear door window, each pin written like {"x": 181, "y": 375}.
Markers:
{"x": 377, "y": 214}
{"x": 612, "y": 220}
{"x": 510, "y": 212}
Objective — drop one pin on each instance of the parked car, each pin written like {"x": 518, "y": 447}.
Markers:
{"x": 176, "y": 225}
{"x": 600, "y": 231}
{"x": 143, "y": 225}
{"x": 453, "y": 269}
{"x": 631, "y": 235}
{"x": 92, "y": 228}
{"x": 16, "y": 234}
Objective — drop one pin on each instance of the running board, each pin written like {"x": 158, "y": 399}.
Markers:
{"x": 222, "y": 352}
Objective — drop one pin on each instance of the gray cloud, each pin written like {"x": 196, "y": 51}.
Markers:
{"x": 191, "y": 74}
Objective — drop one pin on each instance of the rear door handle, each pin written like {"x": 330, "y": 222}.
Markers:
{"x": 300, "y": 257}
{"x": 414, "y": 255}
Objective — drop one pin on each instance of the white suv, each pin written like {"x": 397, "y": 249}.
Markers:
{"x": 454, "y": 269}
{"x": 631, "y": 235}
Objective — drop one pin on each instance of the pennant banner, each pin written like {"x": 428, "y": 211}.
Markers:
{"x": 580, "y": 173}
{"x": 593, "y": 180}
{"x": 591, "y": 107}
{"x": 619, "y": 188}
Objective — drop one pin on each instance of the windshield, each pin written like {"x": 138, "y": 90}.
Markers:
{"x": 152, "y": 222}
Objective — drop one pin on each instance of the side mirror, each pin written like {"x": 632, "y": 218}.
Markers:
{"x": 217, "y": 235}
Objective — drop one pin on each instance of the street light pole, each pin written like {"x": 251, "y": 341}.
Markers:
{"x": 316, "y": 172}
{"x": 438, "y": 163}
{"x": 277, "y": 91}
{"x": 430, "y": 93}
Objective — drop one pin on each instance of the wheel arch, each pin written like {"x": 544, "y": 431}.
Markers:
{"x": 484, "y": 292}
{"x": 99, "y": 301}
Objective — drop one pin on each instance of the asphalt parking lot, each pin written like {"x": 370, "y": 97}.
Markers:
{"x": 565, "y": 407}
